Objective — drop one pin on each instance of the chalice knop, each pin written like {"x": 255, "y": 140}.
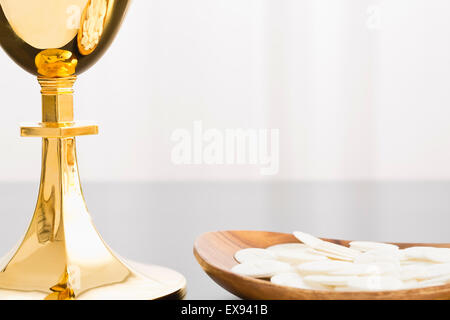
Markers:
{"x": 62, "y": 256}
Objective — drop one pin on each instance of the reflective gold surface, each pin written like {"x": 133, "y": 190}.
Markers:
{"x": 92, "y": 26}
{"x": 44, "y": 24}
{"x": 61, "y": 256}
{"x": 56, "y": 63}
{"x": 28, "y": 27}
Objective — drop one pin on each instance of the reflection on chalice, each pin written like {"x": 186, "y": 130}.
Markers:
{"x": 61, "y": 255}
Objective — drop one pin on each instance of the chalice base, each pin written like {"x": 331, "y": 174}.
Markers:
{"x": 63, "y": 257}
{"x": 153, "y": 283}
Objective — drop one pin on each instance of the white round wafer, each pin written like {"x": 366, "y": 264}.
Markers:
{"x": 421, "y": 272}
{"x": 287, "y": 246}
{"x": 368, "y": 269}
{"x": 325, "y": 246}
{"x": 427, "y": 284}
{"x": 373, "y": 283}
{"x": 323, "y": 267}
{"x": 378, "y": 256}
{"x": 331, "y": 255}
{"x": 411, "y": 284}
{"x": 412, "y": 272}
{"x": 364, "y": 246}
{"x": 355, "y": 270}
{"x": 261, "y": 268}
{"x": 251, "y": 254}
{"x": 435, "y": 271}
{"x": 440, "y": 255}
{"x": 337, "y": 249}
{"x": 307, "y": 239}
{"x": 294, "y": 253}
{"x": 326, "y": 280}
{"x": 435, "y": 282}
{"x": 292, "y": 280}
{"x": 405, "y": 263}
{"x": 296, "y": 257}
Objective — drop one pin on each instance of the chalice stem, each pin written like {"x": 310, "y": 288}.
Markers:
{"x": 61, "y": 254}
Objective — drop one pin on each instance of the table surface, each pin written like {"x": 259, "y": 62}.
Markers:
{"x": 157, "y": 223}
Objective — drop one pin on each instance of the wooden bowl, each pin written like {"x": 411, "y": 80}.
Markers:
{"x": 215, "y": 253}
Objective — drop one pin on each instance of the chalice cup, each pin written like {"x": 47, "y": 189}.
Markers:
{"x": 62, "y": 256}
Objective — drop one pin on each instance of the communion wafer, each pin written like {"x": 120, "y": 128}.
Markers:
{"x": 378, "y": 256}
{"x": 337, "y": 249}
{"x": 261, "y": 268}
{"x": 294, "y": 253}
{"x": 317, "y": 245}
{"x": 251, "y": 254}
{"x": 299, "y": 256}
{"x": 287, "y": 247}
{"x": 356, "y": 270}
{"x": 440, "y": 255}
{"x": 364, "y": 246}
{"x": 292, "y": 280}
{"x": 369, "y": 269}
{"x": 422, "y": 272}
{"x": 307, "y": 239}
{"x": 405, "y": 263}
{"x": 331, "y": 255}
{"x": 443, "y": 280}
{"x": 325, "y": 246}
{"x": 435, "y": 271}
{"x": 411, "y": 284}
{"x": 412, "y": 272}
{"x": 374, "y": 283}
{"x": 322, "y": 267}
{"x": 326, "y": 280}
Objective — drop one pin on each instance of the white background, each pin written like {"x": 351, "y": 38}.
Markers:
{"x": 357, "y": 91}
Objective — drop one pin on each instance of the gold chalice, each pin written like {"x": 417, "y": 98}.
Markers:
{"x": 61, "y": 255}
